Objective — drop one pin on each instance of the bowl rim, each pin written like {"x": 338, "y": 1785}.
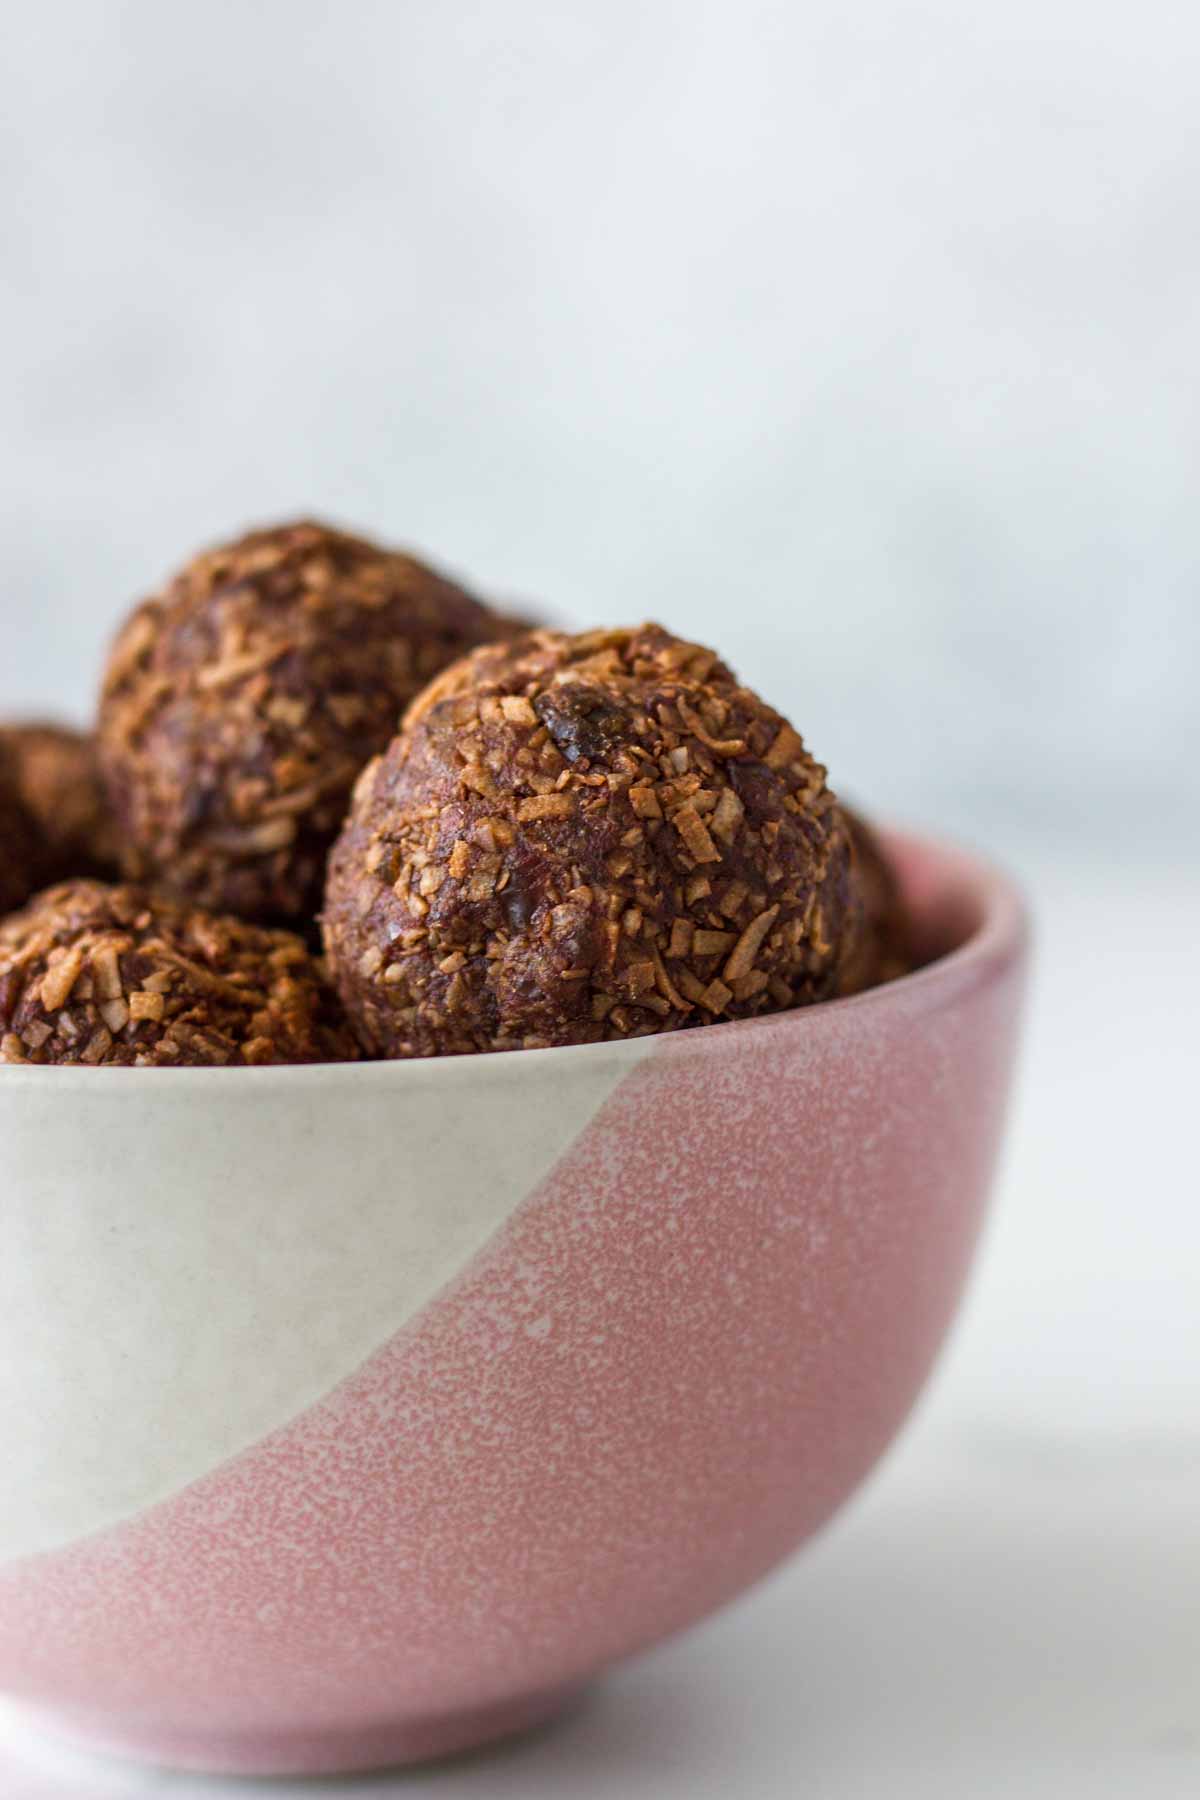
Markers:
{"x": 998, "y": 940}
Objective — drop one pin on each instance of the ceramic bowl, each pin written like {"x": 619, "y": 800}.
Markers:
{"x": 353, "y": 1415}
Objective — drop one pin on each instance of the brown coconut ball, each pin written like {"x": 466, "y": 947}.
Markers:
{"x": 578, "y": 838}
{"x": 22, "y": 856}
{"x": 878, "y": 947}
{"x": 115, "y": 975}
{"x": 242, "y": 701}
{"x": 58, "y": 775}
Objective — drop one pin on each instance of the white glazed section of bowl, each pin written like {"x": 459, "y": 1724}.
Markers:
{"x": 191, "y": 1258}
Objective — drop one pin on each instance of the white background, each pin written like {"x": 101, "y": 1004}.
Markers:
{"x": 861, "y": 341}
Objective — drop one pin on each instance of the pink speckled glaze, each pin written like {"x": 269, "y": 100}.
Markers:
{"x": 672, "y": 1362}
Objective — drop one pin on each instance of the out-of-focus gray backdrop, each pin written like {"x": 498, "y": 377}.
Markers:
{"x": 859, "y": 341}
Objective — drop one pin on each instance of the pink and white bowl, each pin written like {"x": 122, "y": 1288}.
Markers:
{"x": 352, "y": 1416}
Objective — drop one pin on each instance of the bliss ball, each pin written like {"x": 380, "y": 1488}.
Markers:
{"x": 878, "y": 945}
{"x": 97, "y": 975}
{"x": 57, "y": 773}
{"x": 242, "y": 701}
{"x": 580, "y": 838}
{"x": 22, "y": 858}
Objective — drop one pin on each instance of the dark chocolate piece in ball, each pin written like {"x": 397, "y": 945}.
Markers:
{"x": 97, "y": 975}
{"x": 580, "y": 838}
{"x": 241, "y": 703}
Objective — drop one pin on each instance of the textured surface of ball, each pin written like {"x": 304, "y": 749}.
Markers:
{"x": 242, "y": 701}
{"x": 585, "y": 838}
{"x": 96, "y": 975}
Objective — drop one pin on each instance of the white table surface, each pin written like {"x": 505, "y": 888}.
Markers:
{"x": 1012, "y": 1608}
